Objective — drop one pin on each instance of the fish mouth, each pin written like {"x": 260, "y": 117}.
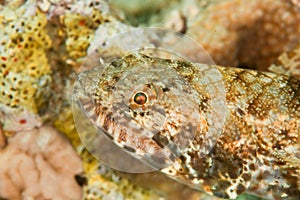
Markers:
{"x": 98, "y": 116}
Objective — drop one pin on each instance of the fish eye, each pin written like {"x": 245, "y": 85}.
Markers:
{"x": 140, "y": 98}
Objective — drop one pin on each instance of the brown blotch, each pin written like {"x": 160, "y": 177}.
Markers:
{"x": 266, "y": 162}
{"x": 122, "y": 136}
{"x": 252, "y": 167}
{"x": 224, "y": 184}
{"x": 260, "y": 177}
{"x": 97, "y": 110}
{"x": 240, "y": 112}
{"x": 255, "y": 187}
{"x": 247, "y": 177}
{"x": 225, "y": 162}
{"x": 203, "y": 105}
{"x": 107, "y": 121}
{"x": 182, "y": 158}
{"x": 220, "y": 194}
{"x": 130, "y": 149}
{"x": 266, "y": 174}
{"x": 197, "y": 163}
{"x": 240, "y": 189}
{"x": 161, "y": 140}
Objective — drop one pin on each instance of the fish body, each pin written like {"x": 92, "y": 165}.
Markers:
{"x": 222, "y": 130}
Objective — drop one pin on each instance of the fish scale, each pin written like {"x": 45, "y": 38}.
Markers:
{"x": 257, "y": 149}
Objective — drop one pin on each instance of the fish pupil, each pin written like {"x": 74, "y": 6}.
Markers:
{"x": 140, "y": 98}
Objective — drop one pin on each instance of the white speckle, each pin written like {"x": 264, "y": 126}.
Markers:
{"x": 284, "y": 195}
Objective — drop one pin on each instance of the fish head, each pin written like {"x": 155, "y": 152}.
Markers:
{"x": 143, "y": 104}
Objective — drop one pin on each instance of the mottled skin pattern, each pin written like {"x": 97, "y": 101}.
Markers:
{"x": 258, "y": 150}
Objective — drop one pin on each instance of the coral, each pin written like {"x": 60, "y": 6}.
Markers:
{"x": 35, "y": 166}
{"x": 296, "y": 3}
{"x": 288, "y": 63}
{"x": 15, "y": 121}
{"x": 112, "y": 186}
{"x": 247, "y": 33}
{"x": 24, "y": 69}
{"x": 24, "y": 65}
{"x": 104, "y": 31}
{"x": 138, "y": 14}
{"x": 240, "y": 33}
{"x": 81, "y": 21}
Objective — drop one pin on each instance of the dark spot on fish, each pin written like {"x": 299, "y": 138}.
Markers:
{"x": 259, "y": 177}
{"x": 104, "y": 108}
{"x": 183, "y": 158}
{"x": 134, "y": 114}
{"x": 166, "y": 89}
{"x": 107, "y": 121}
{"x": 203, "y": 105}
{"x": 128, "y": 148}
{"x": 247, "y": 177}
{"x": 81, "y": 180}
{"x": 122, "y": 136}
{"x": 252, "y": 166}
{"x": 221, "y": 194}
{"x": 223, "y": 184}
{"x": 115, "y": 78}
{"x": 240, "y": 112}
{"x": 161, "y": 140}
{"x": 240, "y": 189}
{"x": 267, "y": 162}
{"x": 149, "y": 85}
{"x": 114, "y": 64}
{"x": 184, "y": 27}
